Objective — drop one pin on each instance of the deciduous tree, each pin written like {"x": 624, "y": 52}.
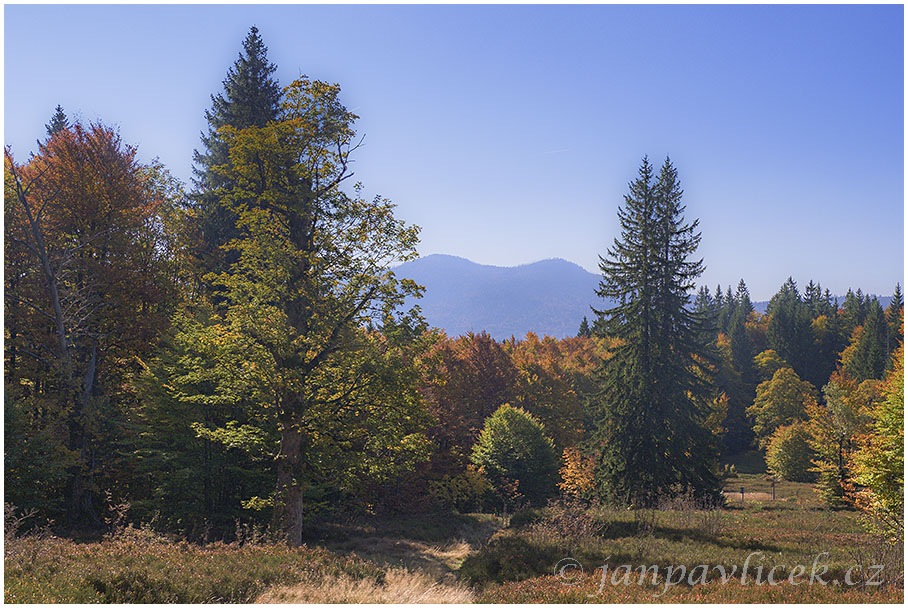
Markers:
{"x": 779, "y": 401}
{"x": 89, "y": 290}
{"x": 513, "y": 447}
{"x": 313, "y": 270}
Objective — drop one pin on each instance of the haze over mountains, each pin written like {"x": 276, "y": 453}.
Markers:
{"x": 549, "y": 297}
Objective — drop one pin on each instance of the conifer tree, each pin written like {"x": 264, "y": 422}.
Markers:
{"x": 789, "y": 327}
{"x": 743, "y": 297}
{"x": 58, "y": 122}
{"x": 584, "y": 331}
{"x": 813, "y": 299}
{"x": 251, "y": 98}
{"x": 703, "y": 304}
{"x": 894, "y": 318}
{"x": 651, "y": 407}
{"x": 870, "y": 356}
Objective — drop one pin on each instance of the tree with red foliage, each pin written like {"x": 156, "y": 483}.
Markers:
{"x": 86, "y": 291}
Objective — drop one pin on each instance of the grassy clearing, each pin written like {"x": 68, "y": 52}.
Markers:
{"x": 519, "y": 563}
{"x": 151, "y": 570}
{"x": 474, "y": 557}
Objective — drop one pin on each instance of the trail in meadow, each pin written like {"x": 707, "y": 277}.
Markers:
{"x": 420, "y": 560}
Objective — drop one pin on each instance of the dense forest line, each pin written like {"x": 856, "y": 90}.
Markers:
{"x": 237, "y": 352}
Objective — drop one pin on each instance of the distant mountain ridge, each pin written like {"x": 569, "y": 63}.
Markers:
{"x": 549, "y": 297}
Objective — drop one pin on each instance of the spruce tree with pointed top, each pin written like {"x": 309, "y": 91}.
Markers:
{"x": 789, "y": 327}
{"x": 585, "y": 331}
{"x": 58, "y": 122}
{"x": 650, "y": 410}
{"x": 894, "y": 318}
{"x": 870, "y": 356}
{"x": 743, "y": 296}
{"x": 251, "y": 98}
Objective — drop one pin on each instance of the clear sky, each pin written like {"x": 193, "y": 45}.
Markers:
{"x": 510, "y": 133}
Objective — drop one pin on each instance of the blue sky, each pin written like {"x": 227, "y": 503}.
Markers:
{"x": 510, "y": 133}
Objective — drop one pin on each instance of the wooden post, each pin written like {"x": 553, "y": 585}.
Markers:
{"x": 773, "y": 489}
{"x": 742, "y": 493}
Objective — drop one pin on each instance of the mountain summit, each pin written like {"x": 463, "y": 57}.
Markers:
{"x": 549, "y": 297}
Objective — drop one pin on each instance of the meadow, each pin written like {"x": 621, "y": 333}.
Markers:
{"x": 464, "y": 558}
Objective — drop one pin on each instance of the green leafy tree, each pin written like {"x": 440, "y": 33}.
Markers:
{"x": 513, "y": 447}
{"x": 879, "y": 463}
{"x": 767, "y": 363}
{"x": 202, "y": 444}
{"x": 836, "y": 426}
{"x": 313, "y": 271}
{"x": 789, "y": 453}
{"x": 779, "y": 402}
{"x": 653, "y": 403}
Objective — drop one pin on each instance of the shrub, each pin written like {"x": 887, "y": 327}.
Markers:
{"x": 789, "y": 454}
{"x": 511, "y": 558}
{"x": 463, "y": 491}
{"x": 513, "y": 450}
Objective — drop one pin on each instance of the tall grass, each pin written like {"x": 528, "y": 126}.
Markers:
{"x": 150, "y": 569}
{"x": 400, "y": 586}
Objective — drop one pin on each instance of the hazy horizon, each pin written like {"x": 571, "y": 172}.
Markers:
{"x": 733, "y": 283}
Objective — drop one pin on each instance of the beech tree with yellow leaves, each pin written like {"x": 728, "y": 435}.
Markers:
{"x": 313, "y": 273}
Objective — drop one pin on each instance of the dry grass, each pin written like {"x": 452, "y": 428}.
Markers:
{"x": 141, "y": 568}
{"x": 400, "y": 586}
{"x": 589, "y": 590}
{"x": 748, "y": 496}
{"x": 440, "y": 560}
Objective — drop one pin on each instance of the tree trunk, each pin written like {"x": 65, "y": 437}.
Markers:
{"x": 81, "y": 511}
{"x": 288, "y": 512}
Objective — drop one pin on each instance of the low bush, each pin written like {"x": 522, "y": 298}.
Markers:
{"x": 510, "y": 558}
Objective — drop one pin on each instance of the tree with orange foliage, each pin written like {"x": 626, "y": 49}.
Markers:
{"x": 578, "y": 473}
{"x": 835, "y": 425}
{"x": 86, "y": 290}
{"x": 545, "y": 389}
{"x": 464, "y": 381}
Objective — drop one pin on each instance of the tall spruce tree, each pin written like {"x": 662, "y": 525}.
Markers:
{"x": 650, "y": 435}
{"x": 251, "y": 98}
